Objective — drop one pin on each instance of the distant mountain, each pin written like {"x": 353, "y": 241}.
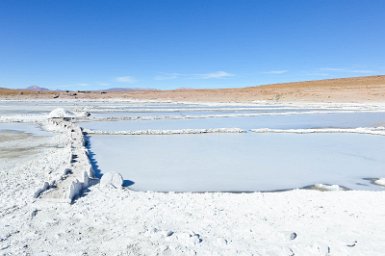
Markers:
{"x": 127, "y": 89}
{"x": 184, "y": 88}
{"x": 36, "y": 88}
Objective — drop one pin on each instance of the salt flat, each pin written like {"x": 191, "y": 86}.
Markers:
{"x": 110, "y": 221}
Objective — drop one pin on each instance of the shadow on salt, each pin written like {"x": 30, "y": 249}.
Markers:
{"x": 94, "y": 163}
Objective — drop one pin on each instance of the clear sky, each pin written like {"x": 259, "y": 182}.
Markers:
{"x": 169, "y": 44}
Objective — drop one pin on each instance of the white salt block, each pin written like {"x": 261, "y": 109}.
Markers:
{"x": 380, "y": 182}
{"x": 111, "y": 179}
{"x": 60, "y": 112}
{"x": 324, "y": 187}
{"x": 74, "y": 190}
{"x": 41, "y": 190}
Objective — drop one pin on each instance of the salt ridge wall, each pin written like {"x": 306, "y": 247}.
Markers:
{"x": 79, "y": 173}
{"x": 361, "y": 130}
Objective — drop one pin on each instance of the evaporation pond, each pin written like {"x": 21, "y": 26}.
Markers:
{"x": 276, "y": 121}
{"x": 242, "y": 162}
{"x": 20, "y": 140}
{"x": 30, "y": 128}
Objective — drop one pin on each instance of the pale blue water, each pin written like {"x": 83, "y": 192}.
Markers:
{"x": 242, "y": 162}
{"x": 298, "y": 121}
{"x": 30, "y": 128}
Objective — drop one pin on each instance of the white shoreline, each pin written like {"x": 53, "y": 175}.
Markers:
{"x": 361, "y": 130}
{"x": 165, "y": 132}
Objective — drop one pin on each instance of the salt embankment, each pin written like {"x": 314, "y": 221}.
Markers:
{"x": 166, "y": 132}
{"x": 360, "y": 130}
{"x": 78, "y": 172}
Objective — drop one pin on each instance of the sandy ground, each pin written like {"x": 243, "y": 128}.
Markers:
{"x": 357, "y": 89}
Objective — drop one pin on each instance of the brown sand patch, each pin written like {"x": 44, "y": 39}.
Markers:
{"x": 357, "y": 89}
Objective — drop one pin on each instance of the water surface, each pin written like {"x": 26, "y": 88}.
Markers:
{"x": 242, "y": 162}
{"x": 277, "y": 121}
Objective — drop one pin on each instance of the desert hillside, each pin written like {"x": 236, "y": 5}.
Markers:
{"x": 357, "y": 89}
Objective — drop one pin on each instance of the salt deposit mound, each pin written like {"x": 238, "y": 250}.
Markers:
{"x": 380, "y": 182}
{"x": 324, "y": 187}
{"x": 112, "y": 180}
{"x": 60, "y": 112}
{"x": 83, "y": 114}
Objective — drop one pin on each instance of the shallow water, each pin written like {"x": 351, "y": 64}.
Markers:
{"x": 30, "y": 128}
{"x": 242, "y": 162}
{"x": 296, "y": 121}
{"x": 20, "y": 140}
{"x": 220, "y": 162}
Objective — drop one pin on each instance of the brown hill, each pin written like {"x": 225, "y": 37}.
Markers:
{"x": 356, "y": 89}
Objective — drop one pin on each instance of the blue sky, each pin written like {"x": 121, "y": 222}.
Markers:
{"x": 187, "y": 44}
